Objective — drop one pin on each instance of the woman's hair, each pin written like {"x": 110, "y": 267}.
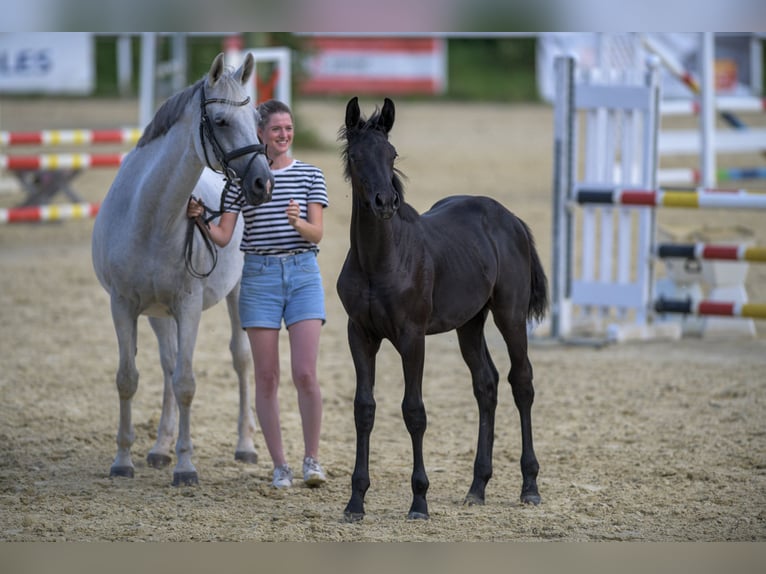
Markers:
{"x": 270, "y": 107}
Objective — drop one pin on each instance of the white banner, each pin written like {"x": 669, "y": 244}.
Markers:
{"x": 47, "y": 62}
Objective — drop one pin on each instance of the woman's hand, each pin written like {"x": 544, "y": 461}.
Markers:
{"x": 311, "y": 228}
{"x": 194, "y": 208}
{"x": 293, "y": 212}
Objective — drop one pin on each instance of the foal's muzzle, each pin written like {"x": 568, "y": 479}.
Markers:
{"x": 385, "y": 208}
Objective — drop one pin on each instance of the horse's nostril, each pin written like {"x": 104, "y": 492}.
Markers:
{"x": 378, "y": 200}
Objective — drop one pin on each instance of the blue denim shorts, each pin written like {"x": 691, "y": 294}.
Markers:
{"x": 277, "y": 287}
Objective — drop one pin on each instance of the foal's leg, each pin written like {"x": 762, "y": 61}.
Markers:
{"x": 363, "y": 351}
{"x": 520, "y": 377}
{"x": 127, "y": 382}
{"x": 485, "y": 378}
{"x": 242, "y": 359}
{"x": 167, "y": 338}
{"x": 412, "y": 350}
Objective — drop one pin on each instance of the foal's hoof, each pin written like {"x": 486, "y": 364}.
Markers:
{"x": 351, "y": 517}
{"x": 417, "y": 516}
{"x": 157, "y": 460}
{"x": 248, "y": 457}
{"x": 185, "y": 478}
{"x": 473, "y": 499}
{"x": 123, "y": 471}
{"x": 530, "y": 498}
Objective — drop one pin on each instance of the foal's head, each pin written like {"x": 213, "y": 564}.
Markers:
{"x": 369, "y": 159}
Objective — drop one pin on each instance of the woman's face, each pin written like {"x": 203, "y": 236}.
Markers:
{"x": 278, "y": 133}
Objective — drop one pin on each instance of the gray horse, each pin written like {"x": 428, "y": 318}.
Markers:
{"x": 141, "y": 236}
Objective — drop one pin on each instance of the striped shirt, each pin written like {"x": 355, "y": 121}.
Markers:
{"x": 267, "y": 231}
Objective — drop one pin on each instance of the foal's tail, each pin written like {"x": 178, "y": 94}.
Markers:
{"x": 538, "y": 282}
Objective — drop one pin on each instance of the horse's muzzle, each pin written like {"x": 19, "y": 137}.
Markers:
{"x": 385, "y": 209}
{"x": 260, "y": 192}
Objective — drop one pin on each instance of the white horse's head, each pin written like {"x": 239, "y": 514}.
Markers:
{"x": 228, "y": 131}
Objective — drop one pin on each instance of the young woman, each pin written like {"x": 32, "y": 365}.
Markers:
{"x": 281, "y": 282}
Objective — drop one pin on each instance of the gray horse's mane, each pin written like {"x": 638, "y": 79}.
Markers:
{"x": 174, "y": 107}
{"x": 168, "y": 114}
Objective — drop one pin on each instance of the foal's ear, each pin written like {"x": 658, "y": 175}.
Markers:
{"x": 386, "y": 121}
{"x": 216, "y": 69}
{"x": 352, "y": 113}
{"x": 246, "y": 69}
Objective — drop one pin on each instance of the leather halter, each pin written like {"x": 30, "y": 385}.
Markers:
{"x": 206, "y": 131}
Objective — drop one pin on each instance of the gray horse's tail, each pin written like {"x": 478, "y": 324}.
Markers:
{"x": 538, "y": 282}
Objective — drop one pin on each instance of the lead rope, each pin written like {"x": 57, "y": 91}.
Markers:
{"x": 203, "y": 223}
{"x": 204, "y": 226}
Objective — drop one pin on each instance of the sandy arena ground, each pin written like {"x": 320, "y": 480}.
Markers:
{"x": 646, "y": 441}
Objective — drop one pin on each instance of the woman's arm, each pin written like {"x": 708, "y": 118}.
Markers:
{"x": 312, "y": 228}
{"x": 220, "y": 233}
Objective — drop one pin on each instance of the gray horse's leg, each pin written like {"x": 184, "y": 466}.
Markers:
{"x": 184, "y": 385}
{"x": 127, "y": 384}
{"x": 241, "y": 359}
{"x": 167, "y": 338}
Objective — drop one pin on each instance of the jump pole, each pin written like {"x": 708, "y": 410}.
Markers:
{"x": 564, "y": 161}
{"x": 723, "y": 174}
{"x": 41, "y": 213}
{"x": 708, "y": 251}
{"x": 60, "y": 161}
{"x": 70, "y": 137}
{"x": 703, "y": 198}
{"x": 706, "y": 307}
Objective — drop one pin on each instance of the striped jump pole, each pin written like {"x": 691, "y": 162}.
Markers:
{"x": 709, "y": 251}
{"x": 707, "y": 307}
{"x": 693, "y": 175}
{"x": 128, "y": 136}
{"x": 60, "y": 161}
{"x": 700, "y": 198}
{"x": 40, "y": 213}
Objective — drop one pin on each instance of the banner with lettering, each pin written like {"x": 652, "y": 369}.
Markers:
{"x": 47, "y": 62}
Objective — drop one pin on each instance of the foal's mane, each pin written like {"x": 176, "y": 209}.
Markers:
{"x": 174, "y": 107}
{"x": 370, "y": 126}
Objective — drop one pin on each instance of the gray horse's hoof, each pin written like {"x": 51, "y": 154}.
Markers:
{"x": 185, "y": 478}
{"x": 123, "y": 471}
{"x": 157, "y": 460}
{"x": 248, "y": 457}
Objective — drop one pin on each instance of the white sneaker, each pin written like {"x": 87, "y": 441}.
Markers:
{"x": 283, "y": 477}
{"x": 313, "y": 474}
